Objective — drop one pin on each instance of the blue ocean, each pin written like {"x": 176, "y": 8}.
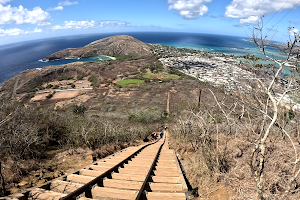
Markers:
{"x": 15, "y": 58}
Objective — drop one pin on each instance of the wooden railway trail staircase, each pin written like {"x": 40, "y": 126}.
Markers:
{"x": 150, "y": 171}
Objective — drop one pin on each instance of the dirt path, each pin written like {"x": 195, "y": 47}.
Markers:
{"x": 168, "y": 104}
{"x": 15, "y": 88}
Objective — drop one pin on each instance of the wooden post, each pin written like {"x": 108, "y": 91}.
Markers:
{"x": 168, "y": 104}
{"x": 199, "y": 98}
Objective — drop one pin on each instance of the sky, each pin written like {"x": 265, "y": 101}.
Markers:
{"x": 22, "y": 20}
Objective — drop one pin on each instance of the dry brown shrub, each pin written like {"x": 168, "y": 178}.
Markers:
{"x": 217, "y": 149}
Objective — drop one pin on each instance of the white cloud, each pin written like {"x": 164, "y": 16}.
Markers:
{"x": 13, "y": 31}
{"x": 62, "y": 4}
{"x": 294, "y": 32}
{"x": 89, "y": 24}
{"x": 4, "y": 1}
{"x": 16, "y": 31}
{"x": 37, "y": 30}
{"x": 250, "y": 20}
{"x": 189, "y": 9}
{"x": 67, "y": 3}
{"x": 250, "y": 10}
{"x": 56, "y": 8}
{"x": 21, "y": 15}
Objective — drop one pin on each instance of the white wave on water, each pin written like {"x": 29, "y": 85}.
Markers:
{"x": 38, "y": 68}
{"x": 69, "y": 59}
{"x": 41, "y": 60}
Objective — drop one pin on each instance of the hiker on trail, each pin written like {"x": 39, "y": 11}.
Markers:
{"x": 166, "y": 127}
{"x": 159, "y": 129}
{"x": 153, "y": 135}
{"x": 161, "y": 134}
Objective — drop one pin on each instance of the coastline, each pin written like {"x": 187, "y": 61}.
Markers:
{"x": 113, "y": 58}
{"x": 30, "y": 58}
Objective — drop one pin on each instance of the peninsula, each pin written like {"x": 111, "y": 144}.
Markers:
{"x": 111, "y": 46}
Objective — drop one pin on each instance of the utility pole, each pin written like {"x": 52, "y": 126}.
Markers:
{"x": 199, "y": 98}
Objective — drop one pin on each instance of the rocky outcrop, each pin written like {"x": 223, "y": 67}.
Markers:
{"x": 110, "y": 46}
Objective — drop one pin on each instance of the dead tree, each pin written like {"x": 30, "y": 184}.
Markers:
{"x": 269, "y": 107}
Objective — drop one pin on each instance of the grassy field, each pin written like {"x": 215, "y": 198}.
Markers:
{"x": 162, "y": 76}
{"x": 130, "y": 82}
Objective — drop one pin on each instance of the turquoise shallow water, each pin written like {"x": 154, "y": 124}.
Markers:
{"x": 15, "y": 58}
{"x": 230, "y": 45}
{"x": 70, "y": 60}
{"x": 243, "y": 49}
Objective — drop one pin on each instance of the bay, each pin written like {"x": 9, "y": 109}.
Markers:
{"x": 15, "y": 58}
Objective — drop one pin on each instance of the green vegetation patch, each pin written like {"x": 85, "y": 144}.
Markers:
{"x": 65, "y": 78}
{"x": 161, "y": 76}
{"x": 49, "y": 86}
{"x": 41, "y": 87}
{"x": 91, "y": 79}
{"x": 49, "y": 96}
{"x": 130, "y": 82}
{"x": 125, "y": 57}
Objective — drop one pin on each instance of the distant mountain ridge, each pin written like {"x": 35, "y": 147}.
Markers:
{"x": 110, "y": 46}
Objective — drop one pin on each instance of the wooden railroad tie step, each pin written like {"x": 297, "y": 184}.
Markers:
{"x": 102, "y": 192}
{"x": 166, "y": 173}
{"x": 144, "y": 157}
{"x": 39, "y": 194}
{"x": 139, "y": 162}
{"x": 94, "y": 173}
{"x": 129, "y": 177}
{"x": 64, "y": 186}
{"x": 133, "y": 171}
{"x": 149, "y": 152}
{"x": 142, "y": 160}
{"x": 160, "y": 164}
{"x": 100, "y": 168}
{"x": 167, "y": 157}
{"x": 136, "y": 167}
{"x": 110, "y": 163}
{"x": 166, "y": 161}
{"x": 172, "y": 169}
{"x": 122, "y": 184}
{"x": 169, "y": 153}
{"x": 165, "y": 187}
{"x": 164, "y": 196}
{"x": 166, "y": 179}
{"x": 79, "y": 178}
{"x": 105, "y": 164}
